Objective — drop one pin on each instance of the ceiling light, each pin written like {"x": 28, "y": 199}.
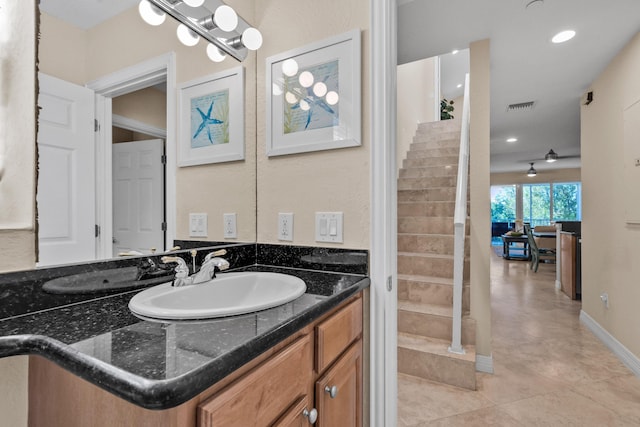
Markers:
{"x": 459, "y": 86}
{"x": 551, "y": 156}
{"x": 455, "y": 51}
{"x": 207, "y": 20}
{"x": 532, "y": 171}
{"x": 563, "y": 36}
{"x": 151, "y": 14}
{"x": 512, "y": 140}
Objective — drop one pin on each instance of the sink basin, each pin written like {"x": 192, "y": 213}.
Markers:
{"x": 102, "y": 281}
{"x": 228, "y": 294}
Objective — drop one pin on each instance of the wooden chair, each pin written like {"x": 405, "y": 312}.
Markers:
{"x": 536, "y": 252}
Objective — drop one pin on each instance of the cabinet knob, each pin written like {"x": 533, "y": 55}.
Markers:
{"x": 333, "y": 391}
{"x": 312, "y": 415}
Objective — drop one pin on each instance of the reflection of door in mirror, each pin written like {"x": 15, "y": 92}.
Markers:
{"x": 66, "y": 190}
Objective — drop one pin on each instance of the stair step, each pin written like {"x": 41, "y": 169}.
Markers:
{"x": 442, "y": 194}
{"x": 440, "y": 125}
{"x": 429, "y": 161}
{"x": 430, "y": 209}
{"x": 424, "y": 183}
{"x": 428, "y": 264}
{"x": 430, "y": 359}
{"x": 426, "y": 243}
{"x": 434, "y": 290}
{"x": 433, "y": 321}
{"x": 425, "y": 142}
{"x": 428, "y": 225}
{"x": 436, "y": 136}
{"x": 427, "y": 172}
{"x": 434, "y": 152}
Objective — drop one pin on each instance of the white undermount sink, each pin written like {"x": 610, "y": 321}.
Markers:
{"x": 228, "y": 294}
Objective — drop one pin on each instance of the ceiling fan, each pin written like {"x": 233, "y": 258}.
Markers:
{"x": 550, "y": 157}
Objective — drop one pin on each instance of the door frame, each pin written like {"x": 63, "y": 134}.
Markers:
{"x": 383, "y": 226}
{"x": 121, "y": 82}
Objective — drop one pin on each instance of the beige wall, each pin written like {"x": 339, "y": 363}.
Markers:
{"x": 17, "y": 177}
{"x": 148, "y": 106}
{"x": 322, "y": 181}
{"x": 556, "y": 175}
{"x": 214, "y": 189}
{"x": 63, "y": 49}
{"x": 416, "y": 101}
{"x": 610, "y": 247}
{"x": 480, "y": 89}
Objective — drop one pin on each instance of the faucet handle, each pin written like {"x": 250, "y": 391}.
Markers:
{"x": 214, "y": 254}
{"x": 182, "y": 270}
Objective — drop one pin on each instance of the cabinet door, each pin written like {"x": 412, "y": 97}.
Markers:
{"x": 345, "y": 407}
{"x": 264, "y": 394}
{"x": 298, "y": 415}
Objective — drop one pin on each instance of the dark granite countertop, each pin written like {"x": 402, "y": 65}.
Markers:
{"x": 159, "y": 365}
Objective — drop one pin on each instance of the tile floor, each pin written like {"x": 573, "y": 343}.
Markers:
{"x": 550, "y": 370}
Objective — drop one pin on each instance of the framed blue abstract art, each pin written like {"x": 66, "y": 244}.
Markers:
{"x": 313, "y": 97}
{"x": 211, "y": 119}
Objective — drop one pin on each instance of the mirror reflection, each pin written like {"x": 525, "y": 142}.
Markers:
{"x": 108, "y": 132}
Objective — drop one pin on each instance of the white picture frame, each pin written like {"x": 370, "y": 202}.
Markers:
{"x": 211, "y": 119}
{"x": 303, "y": 118}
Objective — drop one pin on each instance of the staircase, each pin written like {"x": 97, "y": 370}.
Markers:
{"x": 426, "y": 203}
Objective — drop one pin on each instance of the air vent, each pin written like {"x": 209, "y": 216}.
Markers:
{"x": 522, "y": 106}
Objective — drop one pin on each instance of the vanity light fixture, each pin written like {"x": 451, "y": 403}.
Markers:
{"x": 551, "y": 156}
{"x": 531, "y": 171}
{"x": 217, "y": 23}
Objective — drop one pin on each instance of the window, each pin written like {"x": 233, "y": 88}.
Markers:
{"x": 503, "y": 203}
{"x": 567, "y": 201}
{"x": 536, "y": 204}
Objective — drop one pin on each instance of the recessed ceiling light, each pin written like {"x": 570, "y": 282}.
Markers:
{"x": 563, "y": 36}
{"x": 512, "y": 140}
{"x": 459, "y": 86}
{"x": 453, "y": 52}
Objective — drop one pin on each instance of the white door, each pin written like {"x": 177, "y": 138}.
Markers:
{"x": 138, "y": 196}
{"x": 65, "y": 194}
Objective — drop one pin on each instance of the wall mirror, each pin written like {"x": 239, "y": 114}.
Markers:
{"x": 88, "y": 54}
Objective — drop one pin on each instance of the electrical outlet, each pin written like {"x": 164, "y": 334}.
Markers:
{"x": 285, "y": 227}
{"x": 230, "y": 229}
{"x": 197, "y": 225}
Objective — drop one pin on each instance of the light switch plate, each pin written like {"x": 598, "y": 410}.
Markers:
{"x": 285, "y": 227}
{"x": 197, "y": 225}
{"x": 329, "y": 227}
{"x": 229, "y": 223}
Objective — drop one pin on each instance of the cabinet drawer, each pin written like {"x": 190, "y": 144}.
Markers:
{"x": 263, "y": 395}
{"x": 336, "y": 333}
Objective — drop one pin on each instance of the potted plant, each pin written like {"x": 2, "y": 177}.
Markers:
{"x": 446, "y": 108}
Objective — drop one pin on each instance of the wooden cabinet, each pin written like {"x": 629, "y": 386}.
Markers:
{"x": 568, "y": 264}
{"x": 280, "y": 391}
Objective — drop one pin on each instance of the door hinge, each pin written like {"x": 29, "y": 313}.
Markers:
{"x": 164, "y": 226}
{"x": 97, "y": 230}
{"x": 96, "y": 125}
{"x": 389, "y": 283}
{"x": 163, "y": 159}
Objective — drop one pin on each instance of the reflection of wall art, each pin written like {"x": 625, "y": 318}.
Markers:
{"x": 211, "y": 115}
{"x": 313, "y": 97}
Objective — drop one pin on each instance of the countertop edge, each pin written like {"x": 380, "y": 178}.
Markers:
{"x": 166, "y": 394}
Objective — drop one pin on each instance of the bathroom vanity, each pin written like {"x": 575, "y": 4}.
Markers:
{"x": 96, "y": 364}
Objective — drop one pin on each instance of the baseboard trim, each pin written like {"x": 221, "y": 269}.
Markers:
{"x": 484, "y": 364}
{"x": 558, "y": 285}
{"x": 630, "y": 360}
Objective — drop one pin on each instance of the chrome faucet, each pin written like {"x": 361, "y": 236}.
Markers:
{"x": 211, "y": 264}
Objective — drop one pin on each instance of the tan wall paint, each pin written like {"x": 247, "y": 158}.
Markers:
{"x": 416, "y": 101}
{"x": 213, "y": 189}
{"x": 148, "y": 106}
{"x": 556, "y": 175}
{"x": 63, "y": 50}
{"x": 610, "y": 247}
{"x": 17, "y": 177}
{"x": 480, "y": 89}
{"x": 323, "y": 181}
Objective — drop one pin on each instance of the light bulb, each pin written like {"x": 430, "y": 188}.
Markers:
{"x": 214, "y": 53}
{"x": 186, "y": 36}
{"x": 304, "y": 105}
{"x": 225, "y": 18}
{"x": 306, "y": 79}
{"x": 332, "y": 98}
{"x": 563, "y": 36}
{"x": 252, "y": 38}
{"x": 194, "y": 3}
{"x": 150, "y": 13}
{"x": 291, "y": 98}
{"x": 290, "y": 67}
{"x": 320, "y": 89}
